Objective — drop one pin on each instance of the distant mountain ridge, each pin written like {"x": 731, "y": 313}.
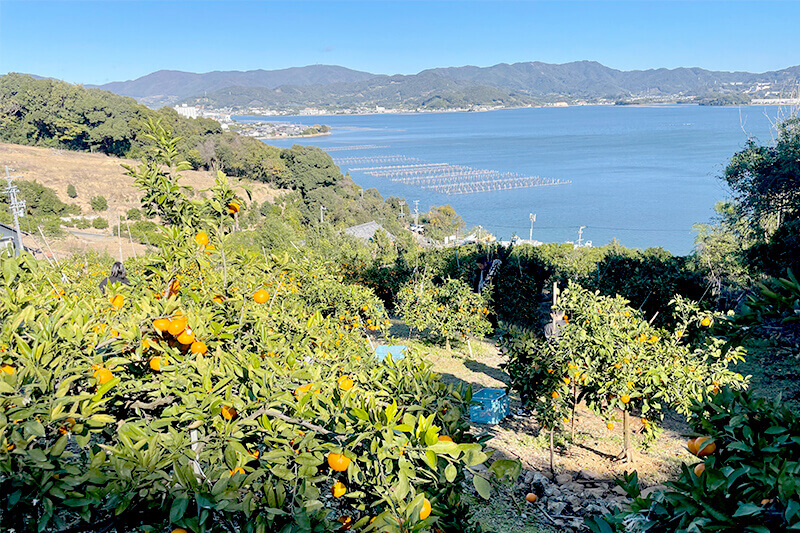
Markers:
{"x": 501, "y": 84}
{"x": 174, "y": 85}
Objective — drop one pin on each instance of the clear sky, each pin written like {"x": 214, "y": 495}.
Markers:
{"x": 114, "y": 40}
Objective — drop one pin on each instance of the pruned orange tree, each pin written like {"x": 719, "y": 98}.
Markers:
{"x": 449, "y": 309}
{"x": 613, "y": 359}
{"x": 224, "y": 391}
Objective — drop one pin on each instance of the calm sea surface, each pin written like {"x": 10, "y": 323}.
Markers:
{"x": 644, "y": 175}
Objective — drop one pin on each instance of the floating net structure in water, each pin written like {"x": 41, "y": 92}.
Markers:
{"x": 442, "y": 177}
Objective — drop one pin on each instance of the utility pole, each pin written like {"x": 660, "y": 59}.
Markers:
{"x": 580, "y": 234}
{"x": 416, "y": 212}
{"x": 480, "y": 232}
{"x": 321, "y": 209}
{"x": 533, "y": 219}
{"x": 17, "y": 209}
{"x": 402, "y": 203}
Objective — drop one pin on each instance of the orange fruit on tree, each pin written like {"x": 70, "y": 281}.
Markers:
{"x": 261, "y": 296}
{"x": 699, "y": 469}
{"x": 179, "y": 530}
{"x": 155, "y": 363}
{"x": 338, "y": 489}
{"x": 210, "y": 249}
{"x": 554, "y": 395}
{"x": 426, "y": 509}
{"x": 201, "y": 238}
{"x": 117, "y": 301}
{"x": 233, "y": 207}
{"x": 445, "y": 438}
{"x": 186, "y": 337}
{"x": 103, "y": 375}
{"x": 228, "y": 412}
{"x": 531, "y": 497}
{"x": 705, "y": 322}
{"x": 625, "y": 398}
{"x": 237, "y": 470}
{"x": 338, "y": 461}
{"x": 299, "y": 391}
{"x": 7, "y": 369}
{"x": 161, "y": 324}
{"x": 199, "y": 347}
{"x": 345, "y": 383}
{"x": 704, "y": 450}
{"x": 176, "y": 326}
{"x": 218, "y": 299}
{"x": 610, "y": 425}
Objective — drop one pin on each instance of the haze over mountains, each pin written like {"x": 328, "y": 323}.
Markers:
{"x": 329, "y": 86}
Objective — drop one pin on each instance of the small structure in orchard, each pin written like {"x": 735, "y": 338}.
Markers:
{"x": 366, "y": 232}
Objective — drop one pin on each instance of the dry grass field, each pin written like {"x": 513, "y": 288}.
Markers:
{"x": 92, "y": 175}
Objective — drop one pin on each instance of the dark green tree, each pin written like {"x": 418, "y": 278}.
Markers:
{"x": 98, "y": 203}
{"x": 71, "y": 192}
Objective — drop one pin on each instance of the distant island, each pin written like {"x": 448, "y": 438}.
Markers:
{"x": 328, "y": 89}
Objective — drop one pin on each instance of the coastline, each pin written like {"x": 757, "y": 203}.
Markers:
{"x": 293, "y": 136}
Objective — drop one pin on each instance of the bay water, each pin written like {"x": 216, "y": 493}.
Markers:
{"x": 641, "y": 174}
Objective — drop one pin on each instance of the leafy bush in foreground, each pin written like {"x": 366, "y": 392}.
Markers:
{"x": 748, "y": 482}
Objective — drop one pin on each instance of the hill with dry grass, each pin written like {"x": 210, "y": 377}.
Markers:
{"x": 93, "y": 175}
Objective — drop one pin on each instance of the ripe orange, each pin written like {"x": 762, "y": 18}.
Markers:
{"x": 625, "y": 398}
{"x": 261, "y": 296}
{"x": 565, "y": 380}
{"x": 338, "y": 490}
{"x": 186, "y": 337}
{"x": 155, "y": 363}
{"x": 161, "y": 324}
{"x": 345, "y": 383}
{"x": 705, "y": 322}
{"x": 610, "y": 425}
{"x": 445, "y": 438}
{"x": 233, "y": 207}
{"x": 201, "y": 238}
{"x": 699, "y": 469}
{"x": 338, "y": 461}
{"x": 554, "y": 395}
{"x": 177, "y": 325}
{"x": 426, "y": 509}
{"x": 704, "y": 450}
{"x": 103, "y": 375}
{"x": 237, "y": 470}
{"x": 8, "y": 369}
{"x": 218, "y": 299}
{"x": 179, "y": 530}
{"x": 118, "y": 301}
{"x": 531, "y": 497}
{"x": 199, "y": 347}
{"x": 210, "y": 249}
{"x": 228, "y": 412}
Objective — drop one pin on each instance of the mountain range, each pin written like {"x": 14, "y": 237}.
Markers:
{"x": 330, "y": 86}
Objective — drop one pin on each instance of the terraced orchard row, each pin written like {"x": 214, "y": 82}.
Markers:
{"x": 221, "y": 392}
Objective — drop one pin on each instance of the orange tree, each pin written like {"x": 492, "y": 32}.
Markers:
{"x": 223, "y": 391}
{"x": 616, "y": 361}
{"x": 211, "y": 409}
{"x": 449, "y": 309}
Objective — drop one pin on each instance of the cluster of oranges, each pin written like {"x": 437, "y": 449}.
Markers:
{"x": 178, "y": 327}
{"x": 701, "y": 447}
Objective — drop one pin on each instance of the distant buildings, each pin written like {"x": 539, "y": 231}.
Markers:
{"x": 187, "y": 111}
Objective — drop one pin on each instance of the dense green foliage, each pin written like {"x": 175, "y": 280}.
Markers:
{"x": 748, "y": 484}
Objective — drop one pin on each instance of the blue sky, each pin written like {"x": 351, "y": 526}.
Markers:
{"x": 101, "y": 41}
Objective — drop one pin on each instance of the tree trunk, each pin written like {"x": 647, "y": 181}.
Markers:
{"x": 552, "y": 453}
{"x": 626, "y": 429}
{"x": 447, "y": 344}
{"x": 574, "y": 406}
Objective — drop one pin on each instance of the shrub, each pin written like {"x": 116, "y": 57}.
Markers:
{"x": 134, "y": 214}
{"x": 71, "y": 192}
{"x": 100, "y": 223}
{"x": 98, "y": 203}
{"x": 82, "y": 223}
{"x": 748, "y": 483}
